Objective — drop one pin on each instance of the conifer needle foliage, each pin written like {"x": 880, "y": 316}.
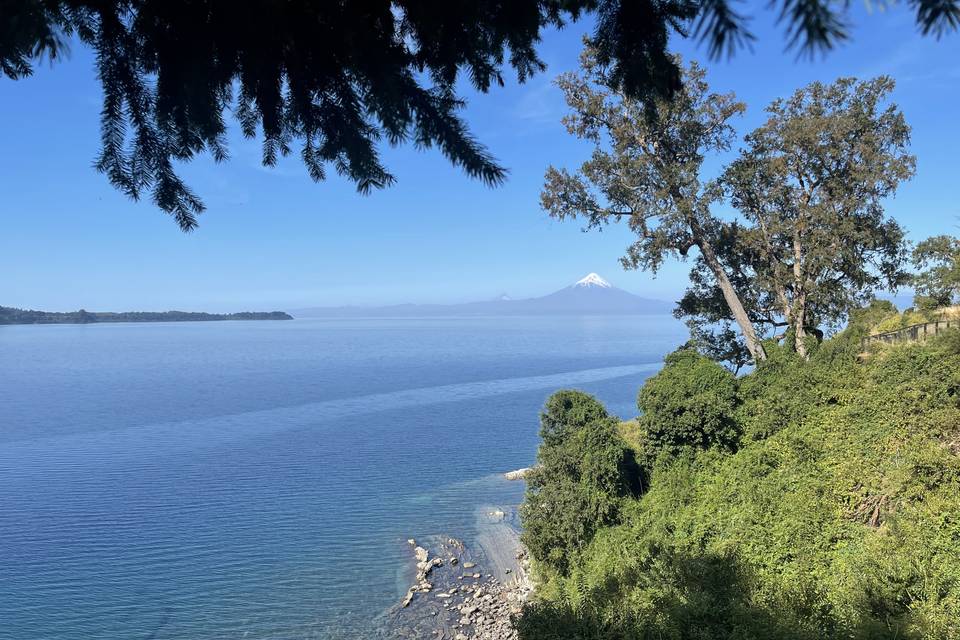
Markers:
{"x": 335, "y": 80}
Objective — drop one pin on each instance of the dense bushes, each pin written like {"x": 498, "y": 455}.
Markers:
{"x": 584, "y": 473}
{"x": 566, "y": 412}
{"x": 838, "y": 516}
{"x": 689, "y": 403}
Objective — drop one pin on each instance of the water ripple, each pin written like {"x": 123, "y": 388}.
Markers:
{"x": 223, "y": 429}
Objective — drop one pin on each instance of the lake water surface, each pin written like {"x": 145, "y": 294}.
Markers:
{"x": 259, "y": 479}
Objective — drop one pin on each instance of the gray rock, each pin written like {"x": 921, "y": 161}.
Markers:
{"x": 519, "y": 474}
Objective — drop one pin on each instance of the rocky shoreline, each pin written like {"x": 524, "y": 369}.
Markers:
{"x": 463, "y": 593}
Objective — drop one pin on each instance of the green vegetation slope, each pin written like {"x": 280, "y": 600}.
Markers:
{"x": 808, "y": 499}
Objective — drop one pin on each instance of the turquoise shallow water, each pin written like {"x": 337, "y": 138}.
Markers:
{"x": 258, "y": 479}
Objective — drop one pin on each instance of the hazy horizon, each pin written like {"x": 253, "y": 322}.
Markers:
{"x": 901, "y": 299}
{"x": 451, "y": 301}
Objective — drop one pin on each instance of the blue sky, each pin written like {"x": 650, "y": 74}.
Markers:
{"x": 271, "y": 238}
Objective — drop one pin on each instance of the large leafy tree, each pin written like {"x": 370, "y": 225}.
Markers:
{"x": 338, "y": 78}
{"x": 938, "y": 283}
{"x": 811, "y": 182}
{"x": 813, "y": 239}
{"x": 646, "y": 169}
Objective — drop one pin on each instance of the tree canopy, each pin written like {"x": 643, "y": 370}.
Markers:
{"x": 335, "y": 80}
{"x": 938, "y": 283}
{"x": 810, "y": 184}
{"x": 810, "y": 239}
{"x": 648, "y": 171}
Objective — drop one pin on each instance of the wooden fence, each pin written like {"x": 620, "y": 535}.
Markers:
{"x": 913, "y": 333}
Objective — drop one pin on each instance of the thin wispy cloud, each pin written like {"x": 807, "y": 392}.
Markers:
{"x": 541, "y": 104}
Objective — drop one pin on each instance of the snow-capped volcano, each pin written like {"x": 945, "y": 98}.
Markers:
{"x": 590, "y": 295}
{"x": 592, "y": 280}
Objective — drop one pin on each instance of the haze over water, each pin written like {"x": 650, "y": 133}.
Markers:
{"x": 259, "y": 479}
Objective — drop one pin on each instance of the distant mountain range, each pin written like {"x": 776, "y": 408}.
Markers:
{"x": 11, "y": 315}
{"x": 591, "y": 295}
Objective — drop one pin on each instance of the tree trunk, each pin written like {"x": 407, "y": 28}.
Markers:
{"x": 799, "y": 315}
{"x": 733, "y": 301}
{"x": 799, "y": 333}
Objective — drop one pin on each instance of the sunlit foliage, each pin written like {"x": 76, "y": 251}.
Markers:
{"x": 837, "y": 517}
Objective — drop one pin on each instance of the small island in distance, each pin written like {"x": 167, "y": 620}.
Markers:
{"x": 11, "y": 315}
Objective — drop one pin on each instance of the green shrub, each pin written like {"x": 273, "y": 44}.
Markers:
{"x": 928, "y": 305}
{"x": 585, "y": 470}
{"x": 838, "y": 518}
{"x": 873, "y": 314}
{"x": 905, "y": 319}
{"x": 689, "y": 404}
{"x": 566, "y": 411}
{"x": 763, "y": 411}
{"x": 948, "y": 342}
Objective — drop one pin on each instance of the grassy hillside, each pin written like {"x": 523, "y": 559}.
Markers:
{"x": 834, "y": 512}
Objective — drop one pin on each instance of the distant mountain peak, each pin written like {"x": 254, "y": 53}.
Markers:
{"x": 589, "y": 296}
{"x": 592, "y": 280}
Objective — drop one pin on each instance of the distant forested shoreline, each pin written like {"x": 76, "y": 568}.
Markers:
{"x": 11, "y": 315}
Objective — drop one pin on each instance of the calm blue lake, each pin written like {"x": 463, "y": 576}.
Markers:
{"x": 259, "y": 479}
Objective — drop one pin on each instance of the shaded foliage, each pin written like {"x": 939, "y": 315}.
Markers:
{"x": 695, "y": 597}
